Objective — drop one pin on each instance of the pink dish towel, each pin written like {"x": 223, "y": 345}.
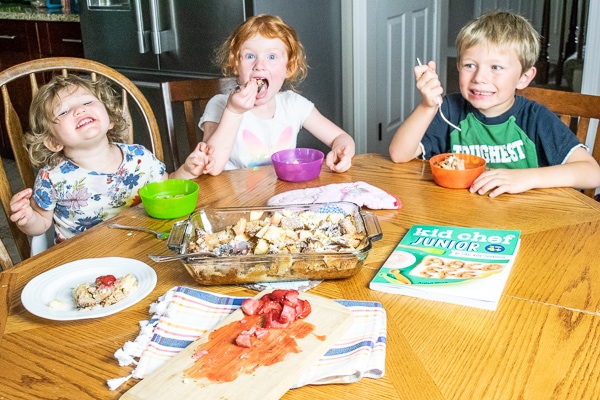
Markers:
{"x": 360, "y": 193}
{"x": 183, "y": 314}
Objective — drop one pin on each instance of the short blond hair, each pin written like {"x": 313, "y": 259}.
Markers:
{"x": 503, "y": 30}
{"x": 272, "y": 27}
{"x": 41, "y": 115}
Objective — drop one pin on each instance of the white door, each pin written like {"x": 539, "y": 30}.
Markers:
{"x": 398, "y": 32}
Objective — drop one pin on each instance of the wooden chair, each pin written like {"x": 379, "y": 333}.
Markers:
{"x": 5, "y": 260}
{"x": 575, "y": 110}
{"x": 38, "y": 72}
{"x": 193, "y": 94}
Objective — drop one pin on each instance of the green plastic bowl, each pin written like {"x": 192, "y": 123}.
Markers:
{"x": 169, "y": 199}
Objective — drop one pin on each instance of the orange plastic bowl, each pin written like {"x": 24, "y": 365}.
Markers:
{"x": 454, "y": 178}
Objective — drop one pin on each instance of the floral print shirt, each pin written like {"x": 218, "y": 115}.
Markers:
{"x": 82, "y": 198}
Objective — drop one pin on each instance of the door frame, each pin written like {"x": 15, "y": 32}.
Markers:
{"x": 357, "y": 29}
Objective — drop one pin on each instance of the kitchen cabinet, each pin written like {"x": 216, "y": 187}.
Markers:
{"x": 15, "y": 42}
{"x": 59, "y": 39}
{"x": 22, "y": 41}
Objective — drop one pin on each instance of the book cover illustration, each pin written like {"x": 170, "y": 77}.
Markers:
{"x": 467, "y": 266}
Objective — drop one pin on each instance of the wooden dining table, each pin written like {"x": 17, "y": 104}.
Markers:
{"x": 542, "y": 342}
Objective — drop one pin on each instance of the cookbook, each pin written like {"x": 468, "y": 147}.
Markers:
{"x": 467, "y": 266}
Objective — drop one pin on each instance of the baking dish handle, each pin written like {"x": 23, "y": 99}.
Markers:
{"x": 372, "y": 225}
{"x": 177, "y": 236}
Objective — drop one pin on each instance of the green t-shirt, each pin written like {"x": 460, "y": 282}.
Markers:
{"x": 502, "y": 146}
{"x": 527, "y": 135}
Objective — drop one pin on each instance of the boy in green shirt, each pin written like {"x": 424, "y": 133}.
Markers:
{"x": 525, "y": 145}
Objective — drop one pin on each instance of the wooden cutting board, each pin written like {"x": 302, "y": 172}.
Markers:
{"x": 330, "y": 320}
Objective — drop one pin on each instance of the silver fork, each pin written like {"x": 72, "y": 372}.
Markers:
{"x": 440, "y": 110}
{"x": 159, "y": 235}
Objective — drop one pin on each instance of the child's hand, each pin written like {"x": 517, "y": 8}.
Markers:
{"x": 339, "y": 159}
{"x": 498, "y": 181}
{"x": 200, "y": 161}
{"x": 428, "y": 83}
{"x": 243, "y": 97}
{"x": 20, "y": 206}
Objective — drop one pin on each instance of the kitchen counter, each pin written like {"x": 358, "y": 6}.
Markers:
{"x": 28, "y": 13}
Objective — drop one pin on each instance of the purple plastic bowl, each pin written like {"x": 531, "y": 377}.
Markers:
{"x": 297, "y": 165}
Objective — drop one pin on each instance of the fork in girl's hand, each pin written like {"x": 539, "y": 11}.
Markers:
{"x": 440, "y": 109}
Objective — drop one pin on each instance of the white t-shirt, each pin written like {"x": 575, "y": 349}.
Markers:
{"x": 258, "y": 138}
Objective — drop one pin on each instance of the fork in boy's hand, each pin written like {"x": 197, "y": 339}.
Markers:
{"x": 440, "y": 109}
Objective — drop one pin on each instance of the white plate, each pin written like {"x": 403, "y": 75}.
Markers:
{"x": 59, "y": 282}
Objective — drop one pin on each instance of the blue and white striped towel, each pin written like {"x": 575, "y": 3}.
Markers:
{"x": 183, "y": 314}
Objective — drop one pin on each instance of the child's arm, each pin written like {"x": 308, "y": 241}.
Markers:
{"x": 28, "y": 216}
{"x": 339, "y": 159}
{"x": 405, "y": 143}
{"x": 580, "y": 171}
{"x": 200, "y": 161}
{"x": 221, "y": 136}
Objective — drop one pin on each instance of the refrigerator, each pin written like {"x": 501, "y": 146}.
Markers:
{"x": 151, "y": 41}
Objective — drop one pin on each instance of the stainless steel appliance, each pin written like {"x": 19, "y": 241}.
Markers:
{"x": 151, "y": 41}
{"x": 158, "y": 36}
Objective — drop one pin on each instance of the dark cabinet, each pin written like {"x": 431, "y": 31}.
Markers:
{"x": 60, "y": 39}
{"x": 22, "y": 41}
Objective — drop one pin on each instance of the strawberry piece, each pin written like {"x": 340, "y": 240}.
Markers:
{"x": 106, "y": 280}
{"x": 304, "y": 310}
{"x": 291, "y": 297}
{"x": 281, "y": 307}
{"x": 271, "y": 305}
{"x": 252, "y": 306}
{"x": 277, "y": 295}
{"x": 288, "y": 314}
{"x": 272, "y": 321}
{"x": 243, "y": 340}
{"x": 260, "y": 332}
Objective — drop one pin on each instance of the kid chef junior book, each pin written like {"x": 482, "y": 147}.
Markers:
{"x": 467, "y": 266}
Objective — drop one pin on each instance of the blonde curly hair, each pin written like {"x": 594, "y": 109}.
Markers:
{"x": 272, "y": 27}
{"x": 41, "y": 115}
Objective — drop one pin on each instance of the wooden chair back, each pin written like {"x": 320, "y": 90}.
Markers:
{"x": 193, "y": 94}
{"x": 5, "y": 260}
{"x": 576, "y": 110}
{"x": 38, "y": 72}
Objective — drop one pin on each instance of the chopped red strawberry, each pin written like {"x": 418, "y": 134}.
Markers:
{"x": 305, "y": 311}
{"x": 250, "y": 331}
{"x": 288, "y": 314}
{"x": 272, "y": 321}
{"x": 106, "y": 280}
{"x": 292, "y": 297}
{"x": 277, "y": 295}
{"x": 243, "y": 340}
{"x": 281, "y": 307}
{"x": 260, "y": 332}
{"x": 252, "y": 306}
{"x": 199, "y": 353}
{"x": 269, "y": 305}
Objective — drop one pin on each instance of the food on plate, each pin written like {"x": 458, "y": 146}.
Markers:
{"x": 105, "y": 291}
{"x": 288, "y": 232}
{"x": 57, "y": 304}
{"x": 281, "y": 308}
{"x": 452, "y": 162}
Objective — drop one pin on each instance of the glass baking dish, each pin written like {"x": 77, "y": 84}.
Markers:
{"x": 252, "y": 268}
